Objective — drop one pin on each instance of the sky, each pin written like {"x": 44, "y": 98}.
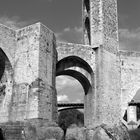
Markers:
{"x": 64, "y": 17}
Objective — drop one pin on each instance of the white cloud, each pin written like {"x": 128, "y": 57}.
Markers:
{"x": 129, "y": 39}
{"x": 65, "y": 82}
{"x": 14, "y": 22}
{"x": 72, "y": 35}
{"x": 70, "y": 87}
{"x": 78, "y": 29}
{"x": 62, "y": 98}
{"x": 67, "y": 29}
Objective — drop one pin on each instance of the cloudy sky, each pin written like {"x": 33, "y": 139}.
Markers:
{"x": 64, "y": 18}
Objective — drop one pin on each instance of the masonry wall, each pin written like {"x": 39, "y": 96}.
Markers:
{"x": 130, "y": 76}
{"x": 108, "y": 95}
{"x": 7, "y": 53}
{"x": 83, "y": 51}
{"x": 104, "y": 33}
{"x": 87, "y": 54}
{"x": 8, "y": 42}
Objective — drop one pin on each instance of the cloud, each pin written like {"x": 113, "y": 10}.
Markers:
{"x": 67, "y": 29}
{"x": 14, "y": 22}
{"x": 129, "y": 39}
{"x": 62, "y": 98}
{"x": 72, "y": 35}
{"x": 69, "y": 86}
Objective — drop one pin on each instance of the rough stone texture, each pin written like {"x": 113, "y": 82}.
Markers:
{"x": 82, "y": 58}
{"x": 29, "y": 62}
{"x": 7, "y": 54}
{"x": 27, "y": 88}
{"x": 104, "y": 24}
{"x": 8, "y": 42}
{"x": 85, "y": 52}
{"x": 34, "y": 85}
{"x": 76, "y": 133}
{"x": 42, "y": 131}
{"x": 13, "y": 130}
{"x": 130, "y": 75}
{"x": 108, "y": 99}
{"x": 31, "y": 131}
{"x": 101, "y": 29}
{"x": 104, "y": 132}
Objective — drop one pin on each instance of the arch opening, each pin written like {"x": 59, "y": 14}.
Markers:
{"x": 64, "y": 65}
{"x": 6, "y": 83}
{"x": 87, "y": 28}
{"x": 69, "y": 90}
{"x": 63, "y": 68}
{"x": 86, "y": 2}
{"x": 77, "y": 75}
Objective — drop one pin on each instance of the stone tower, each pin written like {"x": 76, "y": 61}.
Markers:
{"x": 100, "y": 27}
{"x": 28, "y": 108}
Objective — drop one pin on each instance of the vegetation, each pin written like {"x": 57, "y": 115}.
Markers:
{"x": 135, "y": 134}
{"x": 72, "y": 116}
{"x": 68, "y": 117}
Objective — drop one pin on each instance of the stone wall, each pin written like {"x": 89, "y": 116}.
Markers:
{"x": 107, "y": 76}
{"x": 29, "y": 106}
{"x": 86, "y": 56}
{"x": 7, "y": 55}
{"x": 85, "y": 52}
{"x": 102, "y": 15}
{"x": 130, "y": 76}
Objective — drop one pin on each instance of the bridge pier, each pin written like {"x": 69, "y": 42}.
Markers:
{"x": 31, "y": 110}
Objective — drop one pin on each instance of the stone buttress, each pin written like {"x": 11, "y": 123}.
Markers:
{"x": 31, "y": 107}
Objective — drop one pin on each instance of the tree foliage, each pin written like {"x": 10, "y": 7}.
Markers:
{"x": 68, "y": 117}
{"x": 135, "y": 134}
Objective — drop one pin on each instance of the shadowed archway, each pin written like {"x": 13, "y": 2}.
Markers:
{"x": 6, "y": 86}
{"x": 64, "y": 67}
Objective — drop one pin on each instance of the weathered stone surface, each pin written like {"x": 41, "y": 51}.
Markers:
{"x": 34, "y": 132}
{"x": 30, "y": 131}
{"x": 28, "y": 82}
{"x": 104, "y": 132}
{"x": 28, "y": 61}
{"x": 130, "y": 75}
{"x": 108, "y": 99}
{"x": 76, "y": 133}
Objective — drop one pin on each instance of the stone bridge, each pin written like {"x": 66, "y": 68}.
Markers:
{"x": 31, "y": 58}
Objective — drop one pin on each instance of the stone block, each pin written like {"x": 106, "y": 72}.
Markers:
{"x": 76, "y": 133}
{"x": 104, "y": 132}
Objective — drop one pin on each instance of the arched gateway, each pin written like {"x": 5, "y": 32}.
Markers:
{"x": 79, "y": 69}
{"x": 31, "y": 58}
